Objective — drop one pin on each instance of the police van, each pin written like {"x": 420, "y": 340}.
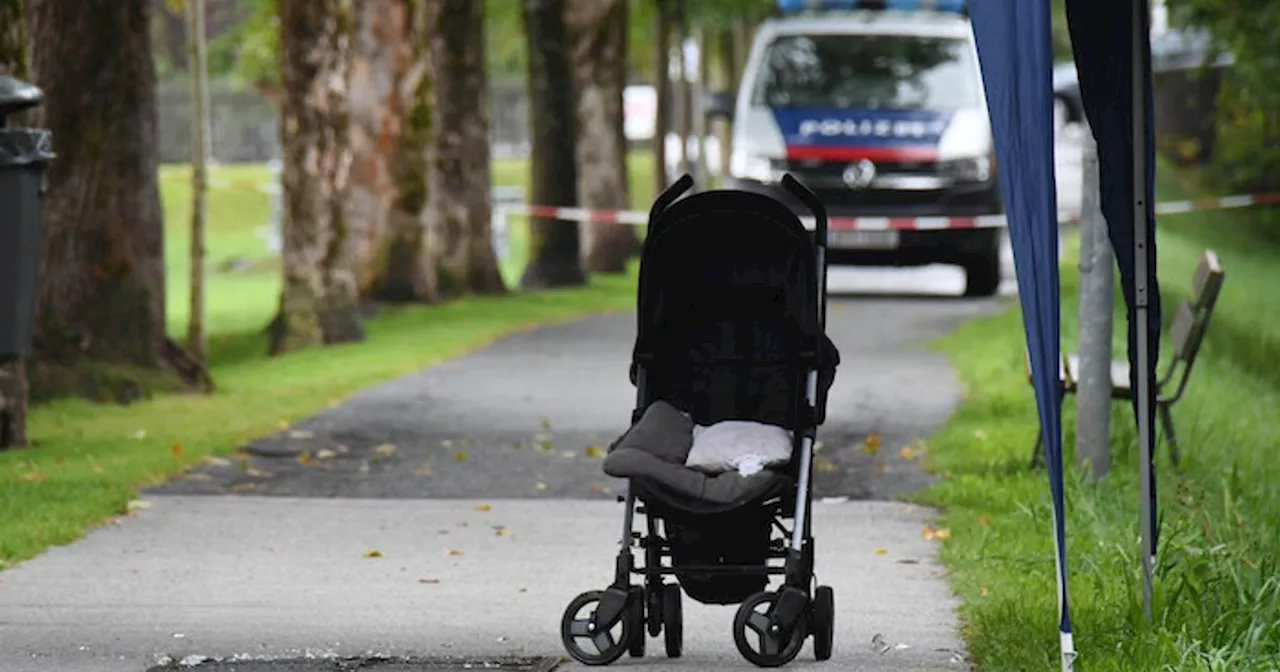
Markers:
{"x": 881, "y": 111}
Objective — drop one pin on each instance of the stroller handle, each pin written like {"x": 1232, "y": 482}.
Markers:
{"x": 811, "y": 201}
{"x": 669, "y": 196}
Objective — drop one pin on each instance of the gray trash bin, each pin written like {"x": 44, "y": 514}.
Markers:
{"x": 24, "y": 154}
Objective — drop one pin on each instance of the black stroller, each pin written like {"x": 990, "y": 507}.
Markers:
{"x": 731, "y": 318}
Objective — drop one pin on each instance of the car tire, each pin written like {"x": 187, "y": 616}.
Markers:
{"x": 982, "y": 267}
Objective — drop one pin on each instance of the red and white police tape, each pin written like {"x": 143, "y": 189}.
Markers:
{"x": 639, "y": 218}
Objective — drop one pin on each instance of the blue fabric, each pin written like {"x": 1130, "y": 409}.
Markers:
{"x": 1016, "y": 54}
{"x": 1101, "y": 32}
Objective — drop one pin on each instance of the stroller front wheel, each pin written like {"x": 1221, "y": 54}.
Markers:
{"x": 758, "y": 636}
{"x": 590, "y": 641}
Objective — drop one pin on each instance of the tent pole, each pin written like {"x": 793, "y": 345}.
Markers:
{"x": 1141, "y": 235}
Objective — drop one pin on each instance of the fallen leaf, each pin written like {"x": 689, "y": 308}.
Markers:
{"x": 594, "y": 451}
{"x": 930, "y": 532}
{"x": 243, "y": 487}
{"x": 825, "y": 465}
{"x": 467, "y": 443}
{"x": 453, "y": 551}
{"x": 33, "y": 477}
{"x": 256, "y": 473}
{"x": 501, "y": 531}
{"x": 908, "y": 561}
{"x": 568, "y": 455}
{"x": 979, "y": 435}
{"x": 872, "y": 442}
{"x": 544, "y": 446}
{"x": 517, "y": 446}
{"x": 218, "y": 461}
{"x": 176, "y": 449}
{"x": 199, "y": 477}
{"x": 545, "y": 425}
{"x": 137, "y": 504}
{"x": 140, "y": 434}
{"x": 97, "y": 469}
{"x": 818, "y": 446}
{"x": 907, "y": 453}
{"x": 881, "y": 466}
{"x": 983, "y": 591}
{"x": 424, "y": 470}
{"x": 373, "y": 553}
{"x": 984, "y": 521}
{"x": 484, "y": 507}
{"x": 881, "y": 551}
{"x": 304, "y": 457}
{"x": 333, "y": 403}
{"x": 302, "y": 434}
{"x": 60, "y": 460}
{"x": 541, "y": 486}
{"x": 460, "y": 456}
{"x": 325, "y": 453}
{"x": 600, "y": 489}
{"x": 386, "y": 449}
{"x": 429, "y": 581}
{"x": 283, "y": 424}
{"x": 446, "y": 443}
{"x": 243, "y": 465}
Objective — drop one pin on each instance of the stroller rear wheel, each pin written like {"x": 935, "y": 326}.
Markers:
{"x": 635, "y": 611}
{"x": 824, "y": 612}
{"x": 758, "y": 637}
{"x": 672, "y": 620}
{"x": 591, "y": 642}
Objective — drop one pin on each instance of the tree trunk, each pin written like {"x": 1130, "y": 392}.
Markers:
{"x": 728, "y": 82}
{"x": 662, "y": 76}
{"x": 404, "y": 267}
{"x": 319, "y": 299}
{"x": 598, "y": 38}
{"x": 555, "y": 254}
{"x": 13, "y": 374}
{"x": 683, "y": 97}
{"x": 460, "y": 210}
{"x": 100, "y": 329}
{"x": 197, "y": 339}
{"x": 380, "y": 52}
{"x": 696, "y": 97}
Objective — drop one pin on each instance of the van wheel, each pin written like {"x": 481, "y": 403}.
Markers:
{"x": 982, "y": 274}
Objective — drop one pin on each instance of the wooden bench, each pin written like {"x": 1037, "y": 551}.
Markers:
{"x": 1186, "y": 333}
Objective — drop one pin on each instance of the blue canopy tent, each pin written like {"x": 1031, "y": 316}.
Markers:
{"x": 1113, "y": 60}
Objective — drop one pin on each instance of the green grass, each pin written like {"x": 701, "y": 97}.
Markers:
{"x": 88, "y": 461}
{"x": 1217, "y": 596}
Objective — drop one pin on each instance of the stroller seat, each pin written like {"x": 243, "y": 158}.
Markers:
{"x": 731, "y": 311}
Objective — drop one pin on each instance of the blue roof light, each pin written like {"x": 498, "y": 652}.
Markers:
{"x": 798, "y": 6}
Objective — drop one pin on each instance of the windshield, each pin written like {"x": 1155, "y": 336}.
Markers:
{"x": 868, "y": 72}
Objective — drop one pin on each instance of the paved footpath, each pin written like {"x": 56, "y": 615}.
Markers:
{"x": 476, "y": 483}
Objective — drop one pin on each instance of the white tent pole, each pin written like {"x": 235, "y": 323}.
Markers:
{"x": 1140, "y": 269}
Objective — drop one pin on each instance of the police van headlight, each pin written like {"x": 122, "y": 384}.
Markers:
{"x": 747, "y": 166}
{"x": 972, "y": 169}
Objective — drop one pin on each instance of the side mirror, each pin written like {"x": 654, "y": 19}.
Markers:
{"x": 719, "y": 104}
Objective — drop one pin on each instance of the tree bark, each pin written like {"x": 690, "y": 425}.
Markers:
{"x": 598, "y": 38}
{"x": 404, "y": 267}
{"x": 13, "y": 374}
{"x": 319, "y": 299}
{"x": 100, "y": 328}
{"x": 728, "y": 82}
{"x": 662, "y": 76}
{"x": 555, "y": 253}
{"x": 459, "y": 211}
{"x": 197, "y": 338}
{"x": 380, "y": 52}
{"x": 684, "y": 94}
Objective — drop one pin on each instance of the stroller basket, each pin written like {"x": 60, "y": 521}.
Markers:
{"x": 731, "y": 317}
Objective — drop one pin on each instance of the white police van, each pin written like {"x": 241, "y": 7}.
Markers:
{"x": 880, "y": 111}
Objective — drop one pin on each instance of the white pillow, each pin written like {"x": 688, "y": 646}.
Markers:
{"x": 738, "y": 445}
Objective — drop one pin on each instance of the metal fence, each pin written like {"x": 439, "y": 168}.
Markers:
{"x": 246, "y": 126}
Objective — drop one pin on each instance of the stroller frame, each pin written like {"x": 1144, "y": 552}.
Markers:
{"x": 796, "y": 610}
